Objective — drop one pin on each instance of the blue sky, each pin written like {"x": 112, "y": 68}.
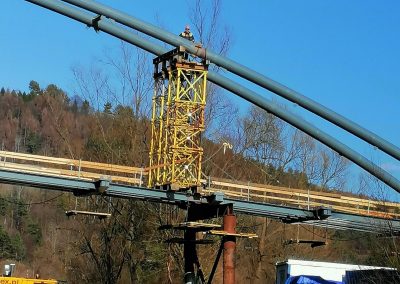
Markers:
{"x": 343, "y": 54}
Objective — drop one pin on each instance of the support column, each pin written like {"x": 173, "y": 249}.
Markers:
{"x": 229, "y": 247}
{"x": 189, "y": 254}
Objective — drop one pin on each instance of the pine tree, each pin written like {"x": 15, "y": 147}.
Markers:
{"x": 34, "y": 88}
{"x": 107, "y": 108}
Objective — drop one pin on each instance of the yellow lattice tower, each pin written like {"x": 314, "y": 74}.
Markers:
{"x": 177, "y": 121}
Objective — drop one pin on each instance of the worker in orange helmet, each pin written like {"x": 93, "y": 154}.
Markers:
{"x": 187, "y": 34}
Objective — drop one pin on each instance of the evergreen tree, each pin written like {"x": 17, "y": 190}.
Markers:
{"x": 35, "y": 232}
{"x": 3, "y": 206}
{"x": 34, "y": 88}
{"x": 57, "y": 93}
{"x": 74, "y": 107}
{"x": 33, "y": 142}
{"x": 85, "y": 107}
{"x": 6, "y": 249}
{"x": 107, "y": 108}
{"x": 18, "y": 247}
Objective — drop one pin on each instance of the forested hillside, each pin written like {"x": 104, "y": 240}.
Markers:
{"x": 128, "y": 247}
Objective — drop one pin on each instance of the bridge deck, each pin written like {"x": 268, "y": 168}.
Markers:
{"x": 71, "y": 171}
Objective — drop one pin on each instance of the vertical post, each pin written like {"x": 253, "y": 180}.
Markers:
{"x": 189, "y": 254}
{"x": 229, "y": 246}
{"x": 248, "y": 191}
{"x": 79, "y": 169}
{"x": 141, "y": 176}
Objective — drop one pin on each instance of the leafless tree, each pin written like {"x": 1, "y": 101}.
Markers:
{"x": 92, "y": 85}
{"x": 307, "y": 161}
{"x": 133, "y": 72}
{"x": 332, "y": 170}
{"x": 268, "y": 141}
{"x": 212, "y": 34}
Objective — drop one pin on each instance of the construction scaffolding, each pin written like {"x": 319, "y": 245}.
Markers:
{"x": 177, "y": 123}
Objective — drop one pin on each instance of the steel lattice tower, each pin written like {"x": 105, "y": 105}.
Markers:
{"x": 177, "y": 121}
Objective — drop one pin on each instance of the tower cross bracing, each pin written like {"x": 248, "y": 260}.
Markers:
{"x": 180, "y": 87}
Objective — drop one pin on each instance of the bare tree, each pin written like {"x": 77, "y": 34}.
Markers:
{"x": 269, "y": 143}
{"x": 92, "y": 85}
{"x": 125, "y": 95}
{"x": 206, "y": 20}
{"x": 307, "y": 159}
{"x": 332, "y": 170}
{"x": 213, "y": 35}
{"x": 121, "y": 249}
{"x": 133, "y": 71}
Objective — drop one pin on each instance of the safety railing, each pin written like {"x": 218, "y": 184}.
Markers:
{"x": 306, "y": 199}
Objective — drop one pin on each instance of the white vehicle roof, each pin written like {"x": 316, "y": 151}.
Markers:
{"x": 316, "y": 264}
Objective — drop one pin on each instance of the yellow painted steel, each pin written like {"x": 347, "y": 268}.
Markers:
{"x": 177, "y": 124}
{"x": 17, "y": 280}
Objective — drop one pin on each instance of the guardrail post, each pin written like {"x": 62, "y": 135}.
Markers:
{"x": 141, "y": 177}
{"x": 248, "y": 191}
{"x": 79, "y": 169}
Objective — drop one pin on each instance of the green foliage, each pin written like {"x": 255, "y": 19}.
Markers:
{"x": 33, "y": 142}
{"x": 123, "y": 111}
{"x": 11, "y": 247}
{"x": 34, "y": 88}
{"x": 27, "y": 97}
{"x": 35, "y": 232}
{"x": 3, "y": 206}
{"x": 20, "y": 212}
{"x": 96, "y": 147}
{"x": 85, "y": 108}
{"x": 18, "y": 247}
{"x": 152, "y": 264}
{"x": 6, "y": 249}
{"x": 107, "y": 108}
{"x": 57, "y": 93}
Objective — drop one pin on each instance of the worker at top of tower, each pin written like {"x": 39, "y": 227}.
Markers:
{"x": 187, "y": 34}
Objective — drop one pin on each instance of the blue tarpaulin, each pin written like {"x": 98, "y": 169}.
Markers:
{"x": 305, "y": 279}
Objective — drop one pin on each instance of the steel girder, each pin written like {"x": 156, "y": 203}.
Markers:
{"x": 328, "y": 218}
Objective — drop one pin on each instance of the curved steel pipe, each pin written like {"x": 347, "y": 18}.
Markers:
{"x": 268, "y": 105}
{"x": 244, "y": 72}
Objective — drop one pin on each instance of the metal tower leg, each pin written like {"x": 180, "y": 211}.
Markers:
{"x": 229, "y": 247}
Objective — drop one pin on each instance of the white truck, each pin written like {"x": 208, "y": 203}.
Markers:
{"x": 329, "y": 271}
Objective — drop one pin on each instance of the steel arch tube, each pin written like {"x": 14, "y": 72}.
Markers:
{"x": 246, "y": 73}
{"x": 268, "y": 105}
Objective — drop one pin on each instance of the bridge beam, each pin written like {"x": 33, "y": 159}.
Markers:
{"x": 216, "y": 203}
